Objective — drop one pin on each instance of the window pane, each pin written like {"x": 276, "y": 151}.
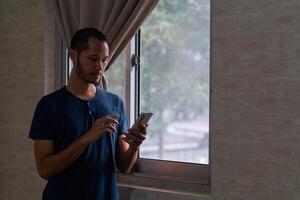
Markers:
{"x": 69, "y": 66}
{"x": 175, "y": 80}
{"x": 115, "y": 76}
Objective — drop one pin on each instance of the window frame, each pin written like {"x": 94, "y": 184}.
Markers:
{"x": 156, "y": 174}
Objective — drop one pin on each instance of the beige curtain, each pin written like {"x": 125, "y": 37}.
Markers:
{"x": 119, "y": 20}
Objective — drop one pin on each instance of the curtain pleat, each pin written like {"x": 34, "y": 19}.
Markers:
{"x": 129, "y": 28}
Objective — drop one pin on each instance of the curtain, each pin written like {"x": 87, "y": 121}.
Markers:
{"x": 119, "y": 20}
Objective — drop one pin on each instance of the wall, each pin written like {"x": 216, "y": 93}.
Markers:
{"x": 24, "y": 76}
{"x": 255, "y": 140}
{"x": 255, "y": 99}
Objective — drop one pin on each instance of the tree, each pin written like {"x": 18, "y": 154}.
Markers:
{"x": 175, "y": 60}
{"x": 174, "y": 63}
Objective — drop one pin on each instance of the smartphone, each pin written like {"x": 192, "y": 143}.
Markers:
{"x": 142, "y": 119}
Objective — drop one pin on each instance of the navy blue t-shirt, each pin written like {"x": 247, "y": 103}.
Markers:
{"x": 63, "y": 118}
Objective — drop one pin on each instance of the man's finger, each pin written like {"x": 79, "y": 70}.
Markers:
{"x": 116, "y": 116}
{"x": 133, "y": 141}
{"x": 137, "y": 137}
{"x": 110, "y": 120}
{"x": 111, "y": 127}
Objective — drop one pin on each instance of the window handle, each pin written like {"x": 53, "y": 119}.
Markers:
{"x": 135, "y": 60}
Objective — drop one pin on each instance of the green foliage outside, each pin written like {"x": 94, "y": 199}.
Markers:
{"x": 175, "y": 59}
{"x": 174, "y": 64}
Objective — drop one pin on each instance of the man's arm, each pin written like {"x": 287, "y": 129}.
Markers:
{"x": 128, "y": 145}
{"x": 49, "y": 163}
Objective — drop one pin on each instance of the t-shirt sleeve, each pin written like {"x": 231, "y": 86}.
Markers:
{"x": 42, "y": 122}
{"x": 123, "y": 123}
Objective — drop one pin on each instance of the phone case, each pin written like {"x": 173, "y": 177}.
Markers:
{"x": 142, "y": 119}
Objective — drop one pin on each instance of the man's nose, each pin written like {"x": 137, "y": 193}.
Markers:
{"x": 99, "y": 66}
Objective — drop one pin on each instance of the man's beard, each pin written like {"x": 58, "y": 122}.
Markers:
{"x": 82, "y": 75}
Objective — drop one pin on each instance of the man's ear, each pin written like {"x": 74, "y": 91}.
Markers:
{"x": 73, "y": 55}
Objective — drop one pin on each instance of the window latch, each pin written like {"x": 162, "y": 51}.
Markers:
{"x": 135, "y": 60}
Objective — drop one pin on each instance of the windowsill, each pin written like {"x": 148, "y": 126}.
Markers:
{"x": 164, "y": 184}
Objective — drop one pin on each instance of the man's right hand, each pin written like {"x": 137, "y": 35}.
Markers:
{"x": 106, "y": 124}
{"x": 50, "y": 163}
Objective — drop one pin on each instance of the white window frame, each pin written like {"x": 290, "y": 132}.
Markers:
{"x": 154, "y": 174}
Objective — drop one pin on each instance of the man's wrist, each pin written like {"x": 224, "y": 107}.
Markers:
{"x": 83, "y": 140}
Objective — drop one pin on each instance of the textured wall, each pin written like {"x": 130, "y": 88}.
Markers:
{"x": 22, "y": 83}
{"x": 255, "y": 101}
{"x": 255, "y": 140}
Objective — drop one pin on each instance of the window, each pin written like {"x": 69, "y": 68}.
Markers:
{"x": 174, "y": 81}
{"x": 115, "y": 76}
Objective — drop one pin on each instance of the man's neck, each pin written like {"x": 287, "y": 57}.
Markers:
{"x": 81, "y": 88}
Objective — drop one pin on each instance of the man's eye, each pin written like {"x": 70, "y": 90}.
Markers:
{"x": 93, "y": 59}
{"x": 104, "y": 60}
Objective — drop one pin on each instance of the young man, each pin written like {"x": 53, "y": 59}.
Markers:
{"x": 80, "y": 132}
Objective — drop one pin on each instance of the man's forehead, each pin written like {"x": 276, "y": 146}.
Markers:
{"x": 94, "y": 42}
{"x": 96, "y": 46}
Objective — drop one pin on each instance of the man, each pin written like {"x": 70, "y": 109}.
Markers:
{"x": 80, "y": 132}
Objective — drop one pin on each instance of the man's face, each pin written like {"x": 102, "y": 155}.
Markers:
{"x": 92, "y": 61}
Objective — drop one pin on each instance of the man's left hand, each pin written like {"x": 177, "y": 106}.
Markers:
{"x": 136, "y": 136}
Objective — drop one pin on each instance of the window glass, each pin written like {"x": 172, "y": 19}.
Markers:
{"x": 175, "y": 80}
{"x": 115, "y": 76}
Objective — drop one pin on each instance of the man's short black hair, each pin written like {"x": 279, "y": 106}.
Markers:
{"x": 81, "y": 37}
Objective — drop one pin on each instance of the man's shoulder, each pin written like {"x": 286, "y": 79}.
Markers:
{"x": 110, "y": 95}
{"x": 53, "y": 97}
